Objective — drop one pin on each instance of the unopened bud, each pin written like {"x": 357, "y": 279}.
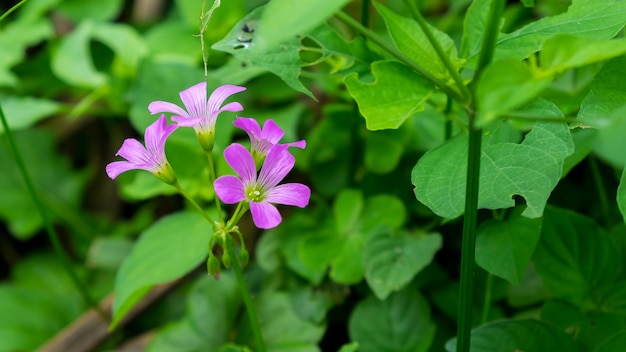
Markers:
{"x": 214, "y": 267}
{"x": 226, "y": 259}
{"x": 244, "y": 257}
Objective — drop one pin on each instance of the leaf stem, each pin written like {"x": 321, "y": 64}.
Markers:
{"x": 9, "y": 11}
{"x": 195, "y": 205}
{"x": 212, "y": 173}
{"x": 365, "y": 13}
{"x": 604, "y": 200}
{"x": 393, "y": 51}
{"x": 50, "y": 231}
{"x": 245, "y": 293}
{"x": 487, "y": 302}
{"x": 417, "y": 15}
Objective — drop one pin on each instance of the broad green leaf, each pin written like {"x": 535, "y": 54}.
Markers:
{"x": 504, "y": 247}
{"x": 614, "y": 343}
{"x": 174, "y": 42}
{"x": 283, "y": 330}
{"x": 167, "y": 250}
{"x": 349, "y": 347}
{"x": 125, "y": 42}
{"x": 621, "y": 195}
{"x": 347, "y": 210}
{"x": 211, "y": 310}
{"x": 15, "y": 38}
{"x": 58, "y": 187}
{"x": 505, "y": 85}
{"x": 592, "y": 327}
{"x": 284, "y": 19}
{"x": 610, "y": 143}
{"x": 108, "y": 252}
{"x": 22, "y": 112}
{"x": 395, "y": 94}
{"x": 607, "y": 93}
{"x": 344, "y": 57}
{"x": 564, "y": 51}
{"x": 282, "y": 60}
{"x": 600, "y": 19}
{"x": 409, "y": 37}
{"x": 383, "y": 151}
{"x": 401, "y": 323}
{"x": 391, "y": 260}
{"x": 518, "y": 335}
{"x": 530, "y": 169}
{"x": 382, "y": 210}
{"x": 575, "y": 256}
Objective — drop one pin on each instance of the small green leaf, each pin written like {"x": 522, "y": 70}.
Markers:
{"x": 349, "y": 347}
{"x": 401, "y": 323}
{"x": 168, "y": 249}
{"x": 474, "y": 27}
{"x": 504, "y": 247}
{"x": 518, "y": 335}
{"x": 395, "y": 94}
{"x": 607, "y": 93}
{"x": 382, "y": 152}
{"x": 409, "y": 37}
{"x": 614, "y": 343}
{"x": 96, "y": 10}
{"x": 575, "y": 257}
{"x": 505, "y": 85}
{"x": 347, "y": 210}
{"x": 284, "y": 19}
{"x": 530, "y": 169}
{"x": 392, "y": 260}
{"x": 22, "y": 112}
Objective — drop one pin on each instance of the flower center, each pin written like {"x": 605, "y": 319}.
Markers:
{"x": 254, "y": 193}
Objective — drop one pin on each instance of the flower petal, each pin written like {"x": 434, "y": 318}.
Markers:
{"x": 156, "y": 136}
{"x": 250, "y": 126}
{"x": 230, "y": 189}
{"x": 240, "y": 159}
{"x": 133, "y": 151}
{"x": 220, "y": 94}
{"x": 271, "y": 132}
{"x": 289, "y": 194}
{"x": 277, "y": 165}
{"x": 117, "y": 167}
{"x": 187, "y": 121}
{"x": 157, "y": 107}
{"x": 194, "y": 99}
{"x": 265, "y": 215}
{"x": 232, "y": 107}
{"x": 298, "y": 144}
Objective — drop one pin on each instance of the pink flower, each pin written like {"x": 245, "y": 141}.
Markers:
{"x": 150, "y": 158}
{"x": 263, "y": 191}
{"x": 263, "y": 139}
{"x": 200, "y": 113}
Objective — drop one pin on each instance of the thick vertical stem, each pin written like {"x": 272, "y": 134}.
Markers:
{"x": 245, "y": 293}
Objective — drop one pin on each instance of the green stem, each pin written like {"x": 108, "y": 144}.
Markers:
{"x": 212, "y": 178}
{"x": 490, "y": 36}
{"x": 448, "y": 123}
{"x": 50, "y": 231}
{"x": 245, "y": 293}
{"x": 417, "y": 15}
{"x": 393, "y": 51}
{"x": 604, "y": 200}
{"x": 195, "y": 205}
{"x": 487, "y": 302}
{"x": 9, "y": 11}
{"x": 365, "y": 13}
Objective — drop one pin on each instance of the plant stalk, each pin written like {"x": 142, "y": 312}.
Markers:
{"x": 245, "y": 293}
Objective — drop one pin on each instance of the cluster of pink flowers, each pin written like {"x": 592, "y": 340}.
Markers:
{"x": 259, "y": 170}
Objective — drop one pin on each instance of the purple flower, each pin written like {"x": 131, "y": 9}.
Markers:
{"x": 263, "y": 139}
{"x": 150, "y": 158}
{"x": 263, "y": 191}
{"x": 200, "y": 113}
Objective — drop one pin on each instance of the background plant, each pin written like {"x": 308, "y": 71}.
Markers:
{"x": 391, "y": 97}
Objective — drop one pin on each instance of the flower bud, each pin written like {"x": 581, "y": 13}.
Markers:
{"x": 226, "y": 259}
{"x": 213, "y": 266}
{"x": 244, "y": 257}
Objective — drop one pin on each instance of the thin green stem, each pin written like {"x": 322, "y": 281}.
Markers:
{"x": 365, "y": 13}
{"x": 212, "y": 173}
{"x": 604, "y": 199}
{"x": 50, "y": 231}
{"x": 417, "y": 15}
{"x": 487, "y": 302}
{"x": 9, "y": 11}
{"x": 448, "y": 122}
{"x": 195, "y": 205}
{"x": 245, "y": 293}
{"x": 393, "y": 51}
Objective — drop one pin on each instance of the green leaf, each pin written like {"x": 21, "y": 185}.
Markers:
{"x": 96, "y": 10}
{"x": 564, "y": 51}
{"x": 282, "y": 60}
{"x": 347, "y": 210}
{"x": 383, "y": 151}
{"x": 349, "y": 347}
{"x": 518, "y": 335}
{"x": 282, "y": 329}
{"x": 395, "y": 94}
{"x": 504, "y": 247}
{"x": 58, "y": 187}
{"x": 167, "y": 250}
{"x": 601, "y": 19}
{"x": 409, "y": 37}
{"x": 607, "y": 93}
{"x": 474, "y": 27}
{"x": 614, "y": 343}
{"x": 22, "y": 112}
{"x": 284, "y": 19}
{"x": 621, "y": 194}
{"x": 575, "y": 257}
{"x": 401, "y": 323}
{"x": 391, "y": 260}
{"x": 530, "y": 169}
{"x": 505, "y": 85}
{"x": 610, "y": 142}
